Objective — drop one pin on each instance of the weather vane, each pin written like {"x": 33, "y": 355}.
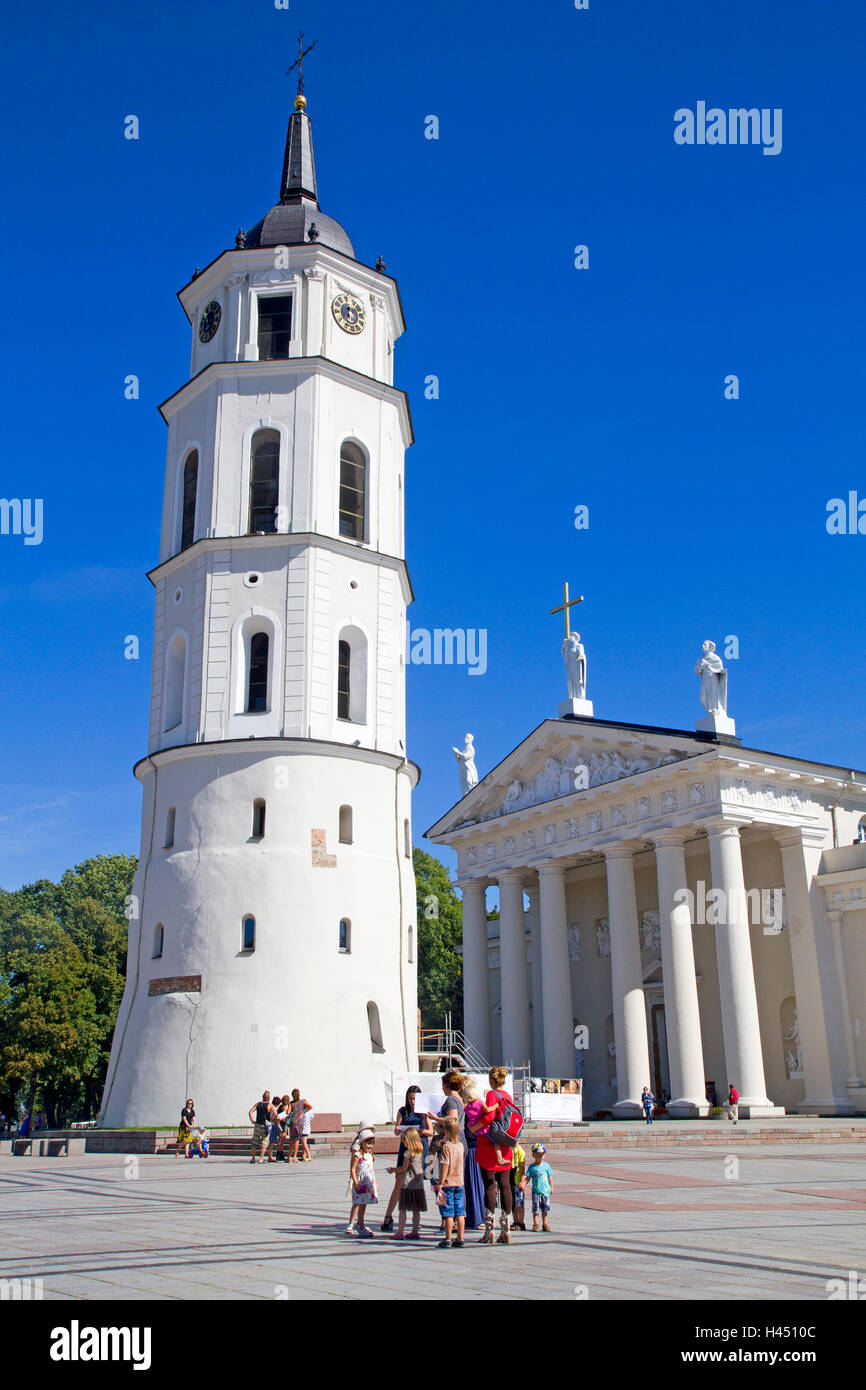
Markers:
{"x": 299, "y": 62}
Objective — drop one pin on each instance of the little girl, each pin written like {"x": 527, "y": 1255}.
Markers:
{"x": 362, "y": 1179}
{"x": 412, "y": 1195}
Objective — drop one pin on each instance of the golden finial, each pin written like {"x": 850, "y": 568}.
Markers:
{"x": 300, "y": 102}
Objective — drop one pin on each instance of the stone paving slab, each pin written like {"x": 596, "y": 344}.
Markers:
{"x": 678, "y": 1224}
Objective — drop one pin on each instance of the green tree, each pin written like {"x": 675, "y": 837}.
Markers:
{"x": 62, "y": 966}
{"x": 440, "y": 933}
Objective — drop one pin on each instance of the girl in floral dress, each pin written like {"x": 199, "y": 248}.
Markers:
{"x": 362, "y": 1179}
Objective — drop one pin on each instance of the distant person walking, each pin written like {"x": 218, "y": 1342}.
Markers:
{"x": 733, "y": 1104}
{"x": 262, "y": 1115}
{"x": 185, "y": 1128}
{"x": 647, "y": 1100}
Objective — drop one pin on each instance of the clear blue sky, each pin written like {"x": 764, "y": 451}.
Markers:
{"x": 558, "y": 386}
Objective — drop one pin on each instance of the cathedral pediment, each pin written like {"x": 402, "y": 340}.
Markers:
{"x": 566, "y": 756}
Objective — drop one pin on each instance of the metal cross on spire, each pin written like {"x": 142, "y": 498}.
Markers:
{"x": 299, "y": 62}
{"x": 564, "y": 607}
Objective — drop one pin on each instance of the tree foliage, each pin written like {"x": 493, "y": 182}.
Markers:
{"x": 62, "y": 968}
{"x": 440, "y": 933}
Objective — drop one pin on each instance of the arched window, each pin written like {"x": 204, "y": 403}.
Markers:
{"x": 175, "y": 674}
{"x": 264, "y": 481}
{"x": 257, "y": 675}
{"x": 275, "y": 326}
{"x": 353, "y": 488}
{"x": 345, "y": 825}
{"x": 352, "y": 676}
{"x": 258, "y": 819}
{"x": 411, "y": 952}
{"x": 375, "y": 1027}
{"x": 158, "y": 941}
{"x": 169, "y": 828}
{"x": 248, "y": 934}
{"x": 190, "y": 487}
{"x": 345, "y": 935}
{"x": 407, "y": 840}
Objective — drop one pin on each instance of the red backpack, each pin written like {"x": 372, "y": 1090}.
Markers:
{"x": 505, "y": 1128}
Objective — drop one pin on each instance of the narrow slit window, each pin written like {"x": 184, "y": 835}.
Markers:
{"x": 169, "y": 828}
{"x": 264, "y": 482}
{"x": 257, "y": 685}
{"x": 407, "y": 840}
{"x": 258, "y": 819}
{"x": 345, "y": 825}
{"x": 158, "y": 941}
{"x": 248, "y": 934}
{"x": 190, "y": 488}
{"x": 353, "y": 488}
{"x": 411, "y": 952}
{"x": 345, "y": 935}
{"x": 344, "y": 680}
{"x": 375, "y": 1026}
{"x": 275, "y": 326}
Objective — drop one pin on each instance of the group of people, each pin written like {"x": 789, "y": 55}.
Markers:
{"x": 463, "y": 1158}
{"x": 648, "y": 1100}
{"x": 280, "y": 1127}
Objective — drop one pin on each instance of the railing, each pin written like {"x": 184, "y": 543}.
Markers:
{"x": 451, "y": 1042}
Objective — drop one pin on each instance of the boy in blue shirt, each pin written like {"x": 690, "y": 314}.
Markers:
{"x": 540, "y": 1174}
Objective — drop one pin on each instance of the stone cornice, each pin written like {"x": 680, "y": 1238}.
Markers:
{"x": 276, "y": 747}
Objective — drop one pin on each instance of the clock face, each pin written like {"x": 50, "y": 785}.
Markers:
{"x": 349, "y": 313}
{"x": 210, "y": 321}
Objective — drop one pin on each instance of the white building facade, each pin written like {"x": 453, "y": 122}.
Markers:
{"x": 273, "y": 938}
{"x": 676, "y": 911}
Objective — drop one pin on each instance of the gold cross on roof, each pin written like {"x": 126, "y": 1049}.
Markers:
{"x": 566, "y": 604}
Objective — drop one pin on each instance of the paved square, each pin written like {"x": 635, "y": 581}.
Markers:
{"x": 691, "y": 1222}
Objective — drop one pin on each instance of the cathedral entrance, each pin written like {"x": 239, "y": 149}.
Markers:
{"x": 661, "y": 1083}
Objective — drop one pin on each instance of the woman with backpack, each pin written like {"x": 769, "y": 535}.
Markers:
{"x": 494, "y": 1156}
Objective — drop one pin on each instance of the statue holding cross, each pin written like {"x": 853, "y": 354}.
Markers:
{"x": 574, "y": 655}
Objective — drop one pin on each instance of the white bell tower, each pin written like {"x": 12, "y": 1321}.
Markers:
{"x": 273, "y": 941}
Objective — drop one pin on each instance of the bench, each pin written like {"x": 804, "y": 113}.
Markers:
{"x": 40, "y": 1147}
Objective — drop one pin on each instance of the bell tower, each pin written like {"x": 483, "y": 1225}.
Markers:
{"x": 273, "y": 936}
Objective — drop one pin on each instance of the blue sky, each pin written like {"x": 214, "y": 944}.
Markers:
{"x": 558, "y": 387}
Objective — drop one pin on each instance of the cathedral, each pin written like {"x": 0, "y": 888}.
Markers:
{"x": 273, "y": 914}
{"x": 676, "y": 910}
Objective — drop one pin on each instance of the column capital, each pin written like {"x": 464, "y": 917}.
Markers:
{"x": 834, "y": 916}
{"x": 471, "y": 884}
{"x": 801, "y": 836}
{"x": 550, "y": 870}
{"x": 619, "y": 849}
{"x": 510, "y": 876}
{"x": 669, "y": 839}
{"x": 723, "y": 825}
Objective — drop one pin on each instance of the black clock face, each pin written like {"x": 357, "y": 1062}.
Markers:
{"x": 210, "y": 321}
{"x": 349, "y": 313}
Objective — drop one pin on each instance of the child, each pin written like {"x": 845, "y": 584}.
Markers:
{"x": 483, "y": 1128}
{"x": 518, "y": 1188}
{"x": 362, "y": 1178}
{"x": 540, "y": 1175}
{"x": 451, "y": 1197}
{"x": 412, "y": 1195}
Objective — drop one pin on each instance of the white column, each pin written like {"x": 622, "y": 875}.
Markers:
{"x": 534, "y": 894}
{"x": 557, "y": 1005}
{"x": 682, "y": 1015}
{"x": 815, "y": 984}
{"x": 626, "y": 981}
{"x": 744, "y": 1058}
{"x": 476, "y": 976}
{"x": 513, "y": 983}
{"x": 834, "y": 917}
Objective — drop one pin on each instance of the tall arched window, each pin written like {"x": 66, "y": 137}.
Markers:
{"x": 345, "y": 935}
{"x": 407, "y": 840}
{"x": 190, "y": 487}
{"x": 257, "y": 676}
{"x": 345, "y": 825}
{"x": 410, "y": 955}
{"x": 264, "y": 481}
{"x": 375, "y": 1027}
{"x": 248, "y": 934}
{"x": 175, "y": 673}
{"x": 169, "y": 828}
{"x": 352, "y": 675}
{"x": 158, "y": 941}
{"x": 258, "y": 819}
{"x": 353, "y": 488}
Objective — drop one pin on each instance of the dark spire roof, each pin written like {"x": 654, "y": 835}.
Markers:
{"x": 288, "y": 223}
